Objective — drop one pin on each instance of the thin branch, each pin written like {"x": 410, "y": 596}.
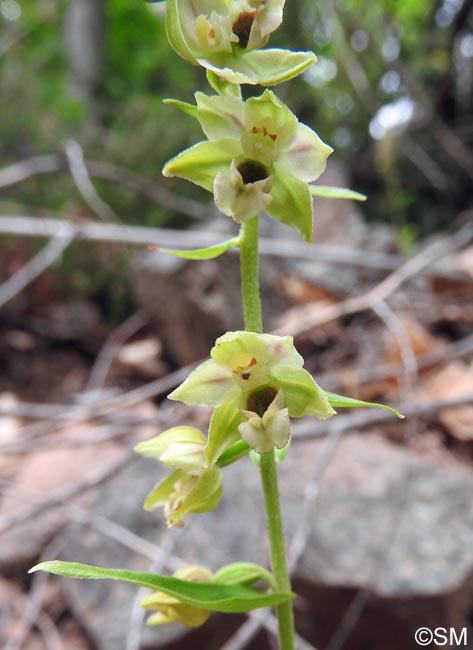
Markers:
{"x": 81, "y": 178}
{"x": 39, "y": 165}
{"x": 50, "y": 254}
{"x": 168, "y": 238}
{"x": 112, "y": 346}
{"x": 303, "y": 319}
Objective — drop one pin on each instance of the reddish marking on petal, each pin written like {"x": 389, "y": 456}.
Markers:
{"x": 245, "y": 375}
{"x": 253, "y": 362}
{"x": 273, "y": 136}
{"x": 212, "y": 32}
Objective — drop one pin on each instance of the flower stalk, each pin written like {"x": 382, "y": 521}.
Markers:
{"x": 251, "y": 302}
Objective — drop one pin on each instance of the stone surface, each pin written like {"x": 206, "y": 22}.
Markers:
{"x": 386, "y": 520}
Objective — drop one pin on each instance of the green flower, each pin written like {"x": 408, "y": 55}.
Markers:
{"x": 224, "y": 36}
{"x": 258, "y": 156}
{"x": 194, "y": 486}
{"x": 257, "y": 378}
{"x": 170, "y": 609}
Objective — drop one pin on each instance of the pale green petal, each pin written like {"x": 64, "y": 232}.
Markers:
{"x": 268, "y": 15}
{"x": 301, "y": 393}
{"x": 209, "y": 384}
{"x": 156, "y": 446}
{"x": 202, "y": 162}
{"x": 267, "y": 349}
{"x": 159, "y": 495}
{"x": 220, "y": 116}
{"x": 223, "y": 430}
{"x": 204, "y": 495}
{"x": 292, "y": 202}
{"x": 306, "y": 156}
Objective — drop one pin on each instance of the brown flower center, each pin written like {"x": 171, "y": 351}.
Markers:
{"x": 242, "y": 27}
{"x": 251, "y": 172}
{"x": 259, "y": 400}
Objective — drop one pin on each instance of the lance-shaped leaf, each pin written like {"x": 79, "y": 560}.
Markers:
{"x": 340, "y": 401}
{"x": 230, "y": 599}
{"x": 336, "y": 193}
{"x": 207, "y": 253}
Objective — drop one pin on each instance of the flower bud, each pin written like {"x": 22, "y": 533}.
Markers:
{"x": 170, "y": 609}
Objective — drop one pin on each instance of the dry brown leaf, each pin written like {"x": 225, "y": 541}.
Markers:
{"x": 422, "y": 341}
{"x": 455, "y": 380}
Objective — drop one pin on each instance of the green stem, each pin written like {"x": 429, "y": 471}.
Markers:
{"x": 254, "y": 323}
{"x": 250, "y": 293}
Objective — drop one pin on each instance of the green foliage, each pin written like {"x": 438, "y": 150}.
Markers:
{"x": 216, "y": 597}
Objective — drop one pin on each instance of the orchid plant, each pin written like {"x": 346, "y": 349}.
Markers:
{"x": 257, "y": 157}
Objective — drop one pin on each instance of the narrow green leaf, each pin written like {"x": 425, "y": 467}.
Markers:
{"x": 208, "y": 253}
{"x": 340, "y": 401}
{"x": 336, "y": 193}
{"x": 233, "y": 453}
{"x": 226, "y": 598}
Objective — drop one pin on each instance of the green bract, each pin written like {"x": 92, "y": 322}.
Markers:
{"x": 195, "y": 486}
{"x": 258, "y": 382}
{"x": 258, "y": 156}
{"x": 224, "y": 36}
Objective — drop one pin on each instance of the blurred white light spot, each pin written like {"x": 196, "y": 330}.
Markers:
{"x": 466, "y": 46}
{"x": 390, "y": 82}
{"x": 342, "y": 137}
{"x": 390, "y": 49}
{"x": 444, "y": 17}
{"x": 10, "y": 9}
{"x": 324, "y": 70}
{"x": 322, "y": 32}
{"x": 344, "y": 104}
{"x": 359, "y": 40}
{"x": 393, "y": 117}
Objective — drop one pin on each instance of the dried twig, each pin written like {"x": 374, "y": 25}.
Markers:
{"x": 112, "y": 345}
{"x": 303, "y": 319}
{"x": 81, "y": 178}
{"x": 50, "y": 254}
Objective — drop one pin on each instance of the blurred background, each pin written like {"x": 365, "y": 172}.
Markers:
{"x": 96, "y": 327}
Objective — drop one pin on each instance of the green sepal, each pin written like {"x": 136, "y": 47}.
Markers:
{"x": 223, "y": 430}
{"x": 340, "y": 401}
{"x": 238, "y": 450}
{"x": 266, "y": 67}
{"x": 292, "y": 203}
{"x": 208, "y": 253}
{"x": 185, "y": 107}
{"x": 174, "y": 32}
{"x": 223, "y": 87}
{"x": 227, "y": 598}
{"x": 336, "y": 193}
{"x": 244, "y": 573}
{"x": 202, "y": 162}
{"x": 301, "y": 393}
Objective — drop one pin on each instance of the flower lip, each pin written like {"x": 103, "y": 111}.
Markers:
{"x": 242, "y": 27}
{"x": 259, "y": 400}
{"x": 252, "y": 171}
